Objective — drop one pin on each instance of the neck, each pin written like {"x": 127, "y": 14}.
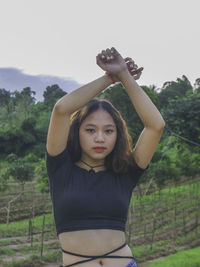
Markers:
{"x": 92, "y": 166}
{"x": 91, "y": 161}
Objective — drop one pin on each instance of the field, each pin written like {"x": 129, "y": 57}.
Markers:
{"x": 160, "y": 223}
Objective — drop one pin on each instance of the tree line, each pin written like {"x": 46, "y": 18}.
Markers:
{"x": 24, "y": 125}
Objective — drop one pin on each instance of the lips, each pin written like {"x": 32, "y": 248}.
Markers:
{"x": 99, "y": 149}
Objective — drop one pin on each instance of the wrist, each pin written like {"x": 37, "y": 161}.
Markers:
{"x": 123, "y": 75}
{"x": 108, "y": 79}
{"x": 112, "y": 77}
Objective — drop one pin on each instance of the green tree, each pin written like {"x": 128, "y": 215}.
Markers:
{"x": 4, "y": 97}
{"x": 197, "y": 85}
{"x": 172, "y": 90}
{"x": 188, "y": 160}
{"x": 118, "y": 96}
{"x": 41, "y": 176}
{"x": 3, "y": 179}
{"x": 52, "y": 94}
{"x": 19, "y": 169}
{"x": 182, "y": 116}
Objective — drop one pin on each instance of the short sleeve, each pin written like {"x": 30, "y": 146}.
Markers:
{"x": 135, "y": 172}
{"x": 54, "y": 162}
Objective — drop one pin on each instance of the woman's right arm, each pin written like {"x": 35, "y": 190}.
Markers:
{"x": 59, "y": 125}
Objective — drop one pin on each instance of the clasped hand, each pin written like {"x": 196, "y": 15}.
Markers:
{"x": 110, "y": 60}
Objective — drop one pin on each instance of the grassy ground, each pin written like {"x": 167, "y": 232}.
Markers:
{"x": 159, "y": 224}
{"x": 186, "y": 258}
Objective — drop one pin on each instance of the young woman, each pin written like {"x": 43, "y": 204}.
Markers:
{"x": 92, "y": 167}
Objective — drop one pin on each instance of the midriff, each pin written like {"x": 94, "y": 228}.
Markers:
{"x": 95, "y": 242}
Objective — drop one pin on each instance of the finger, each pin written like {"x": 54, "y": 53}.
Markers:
{"x": 128, "y": 59}
{"x": 99, "y": 57}
{"x": 114, "y": 51}
{"x": 103, "y": 55}
{"x": 136, "y": 77}
{"x": 100, "y": 62}
{"x": 131, "y": 66}
{"x": 108, "y": 51}
{"x": 109, "y": 54}
{"x": 138, "y": 71}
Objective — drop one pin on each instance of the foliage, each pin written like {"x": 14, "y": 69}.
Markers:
{"x": 190, "y": 257}
{"x": 24, "y": 125}
{"x": 172, "y": 90}
{"x": 42, "y": 179}
{"x": 19, "y": 169}
{"x": 182, "y": 116}
{"x": 3, "y": 179}
{"x": 4, "y": 97}
{"x": 52, "y": 94}
{"x": 120, "y": 99}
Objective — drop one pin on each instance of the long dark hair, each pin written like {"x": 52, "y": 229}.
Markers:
{"x": 121, "y": 156}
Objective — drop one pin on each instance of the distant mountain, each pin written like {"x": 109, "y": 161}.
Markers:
{"x": 14, "y": 79}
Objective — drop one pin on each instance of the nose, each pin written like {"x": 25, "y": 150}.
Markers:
{"x": 99, "y": 137}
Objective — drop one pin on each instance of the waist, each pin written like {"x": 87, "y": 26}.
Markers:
{"x": 95, "y": 241}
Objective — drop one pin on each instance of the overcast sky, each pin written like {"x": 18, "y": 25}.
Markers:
{"x": 63, "y": 37}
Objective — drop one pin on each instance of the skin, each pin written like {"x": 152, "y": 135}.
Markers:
{"x": 110, "y": 60}
{"x": 100, "y": 241}
{"x": 95, "y": 135}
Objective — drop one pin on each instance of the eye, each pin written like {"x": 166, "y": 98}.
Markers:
{"x": 90, "y": 130}
{"x": 109, "y": 131}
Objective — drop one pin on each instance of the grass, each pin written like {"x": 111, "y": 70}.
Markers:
{"x": 160, "y": 248}
{"x": 158, "y": 204}
{"x": 6, "y": 251}
{"x": 22, "y": 227}
{"x": 34, "y": 260}
{"x": 185, "y": 258}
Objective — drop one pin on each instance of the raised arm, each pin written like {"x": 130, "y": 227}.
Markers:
{"x": 59, "y": 125}
{"x": 149, "y": 115}
{"x": 81, "y": 96}
{"x": 147, "y": 111}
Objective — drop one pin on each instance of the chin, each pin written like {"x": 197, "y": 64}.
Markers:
{"x": 98, "y": 156}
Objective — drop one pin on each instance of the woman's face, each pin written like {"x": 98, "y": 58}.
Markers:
{"x": 98, "y": 130}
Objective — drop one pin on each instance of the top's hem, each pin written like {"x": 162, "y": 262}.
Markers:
{"x": 73, "y": 229}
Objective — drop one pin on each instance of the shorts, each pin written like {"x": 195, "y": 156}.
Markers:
{"x": 130, "y": 264}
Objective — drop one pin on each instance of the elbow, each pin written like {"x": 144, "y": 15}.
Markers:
{"x": 161, "y": 125}
{"x": 57, "y": 108}
{"x": 61, "y": 108}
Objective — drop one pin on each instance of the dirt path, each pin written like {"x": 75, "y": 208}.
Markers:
{"x": 51, "y": 265}
{"x": 18, "y": 246}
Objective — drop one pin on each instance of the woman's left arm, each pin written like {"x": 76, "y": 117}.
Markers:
{"x": 126, "y": 72}
{"x": 150, "y": 116}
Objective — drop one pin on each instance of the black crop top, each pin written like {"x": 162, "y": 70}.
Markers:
{"x": 87, "y": 200}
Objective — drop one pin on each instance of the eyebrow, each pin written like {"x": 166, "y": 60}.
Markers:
{"x": 94, "y": 125}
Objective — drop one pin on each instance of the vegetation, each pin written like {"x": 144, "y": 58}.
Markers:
{"x": 159, "y": 223}
{"x": 164, "y": 210}
{"x": 190, "y": 257}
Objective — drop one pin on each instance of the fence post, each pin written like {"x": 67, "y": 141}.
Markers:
{"x": 43, "y": 224}
{"x": 153, "y": 230}
{"x": 31, "y": 232}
